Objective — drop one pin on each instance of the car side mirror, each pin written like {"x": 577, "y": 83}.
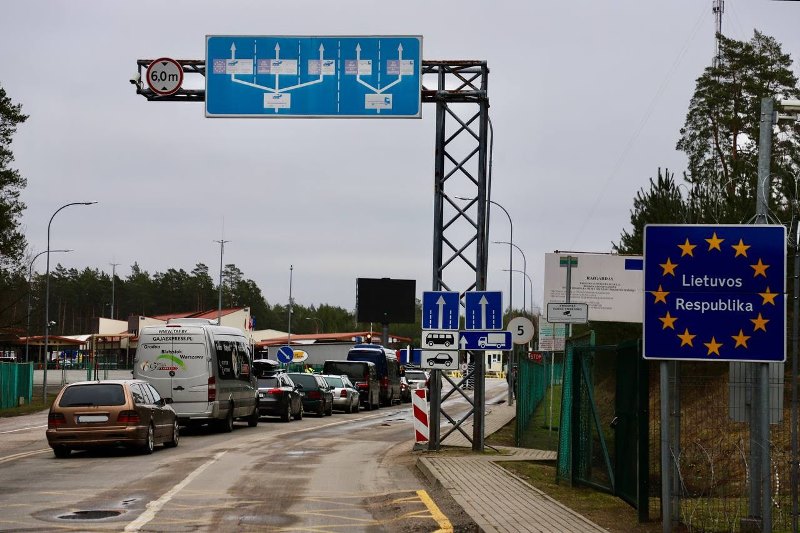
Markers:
{"x": 166, "y": 401}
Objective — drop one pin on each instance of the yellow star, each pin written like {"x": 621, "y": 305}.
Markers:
{"x": 741, "y": 339}
{"x": 687, "y": 247}
{"x": 686, "y": 338}
{"x": 713, "y": 346}
{"x": 760, "y": 268}
{"x": 741, "y": 248}
{"x": 669, "y": 267}
{"x": 668, "y": 321}
{"x": 660, "y": 294}
{"x": 714, "y": 242}
{"x": 759, "y": 323}
{"x": 769, "y": 297}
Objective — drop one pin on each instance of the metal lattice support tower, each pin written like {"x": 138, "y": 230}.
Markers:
{"x": 460, "y": 245}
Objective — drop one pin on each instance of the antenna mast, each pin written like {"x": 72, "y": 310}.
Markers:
{"x": 718, "y": 9}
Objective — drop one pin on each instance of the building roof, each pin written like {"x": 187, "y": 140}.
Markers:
{"x": 311, "y": 338}
{"x": 212, "y": 313}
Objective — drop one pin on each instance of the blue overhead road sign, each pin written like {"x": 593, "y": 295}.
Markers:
{"x": 484, "y": 309}
{"x": 715, "y": 292}
{"x": 440, "y": 310}
{"x": 485, "y": 340}
{"x": 313, "y": 76}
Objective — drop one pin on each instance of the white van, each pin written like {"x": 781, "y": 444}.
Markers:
{"x": 203, "y": 367}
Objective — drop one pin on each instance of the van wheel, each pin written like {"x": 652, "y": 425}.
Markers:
{"x": 252, "y": 420}
{"x": 299, "y": 415}
{"x": 226, "y": 426}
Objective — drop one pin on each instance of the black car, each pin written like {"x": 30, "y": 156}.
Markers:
{"x": 317, "y": 394}
{"x": 440, "y": 359}
{"x": 279, "y": 396}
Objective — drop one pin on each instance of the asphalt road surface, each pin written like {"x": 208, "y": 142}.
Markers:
{"x": 342, "y": 473}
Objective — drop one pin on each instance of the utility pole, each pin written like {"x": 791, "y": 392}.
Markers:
{"x": 113, "y": 275}
{"x": 219, "y": 306}
{"x": 718, "y": 9}
{"x": 289, "y": 333}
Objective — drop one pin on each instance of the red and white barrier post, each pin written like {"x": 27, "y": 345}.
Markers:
{"x": 419, "y": 404}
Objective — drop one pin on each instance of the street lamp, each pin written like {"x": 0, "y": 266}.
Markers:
{"x": 321, "y": 323}
{"x": 530, "y": 282}
{"x": 47, "y": 297}
{"x": 510, "y": 251}
{"x": 30, "y": 274}
{"x": 524, "y": 268}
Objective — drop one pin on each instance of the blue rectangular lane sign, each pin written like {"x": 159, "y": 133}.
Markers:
{"x": 440, "y": 310}
{"x": 484, "y": 310}
{"x": 715, "y": 292}
{"x": 412, "y": 358}
{"x": 485, "y": 340}
{"x": 313, "y": 76}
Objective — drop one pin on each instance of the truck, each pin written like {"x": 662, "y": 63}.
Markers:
{"x": 494, "y": 340}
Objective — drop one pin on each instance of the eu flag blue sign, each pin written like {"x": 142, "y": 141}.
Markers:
{"x": 715, "y": 293}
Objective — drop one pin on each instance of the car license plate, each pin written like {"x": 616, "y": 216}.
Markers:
{"x": 92, "y": 418}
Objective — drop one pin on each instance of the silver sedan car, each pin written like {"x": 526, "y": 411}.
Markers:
{"x": 345, "y": 395}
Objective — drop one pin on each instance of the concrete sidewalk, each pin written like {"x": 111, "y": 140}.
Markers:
{"x": 496, "y": 499}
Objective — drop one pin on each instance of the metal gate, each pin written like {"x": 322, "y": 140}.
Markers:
{"x": 604, "y": 420}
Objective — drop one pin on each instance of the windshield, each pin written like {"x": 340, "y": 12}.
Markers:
{"x": 416, "y": 375}
{"x": 94, "y": 394}
{"x": 334, "y": 381}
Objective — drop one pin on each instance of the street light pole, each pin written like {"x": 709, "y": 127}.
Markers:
{"x": 30, "y": 275}
{"x": 530, "y": 283}
{"x": 321, "y": 323}
{"x": 510, "y": 252}
{"x": 524, "y": 268}
{"x": 47, "y": 297}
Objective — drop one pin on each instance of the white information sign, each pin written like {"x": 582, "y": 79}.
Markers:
{"x": 611, "y": 285}
{"x": 551, "y": 336}
{"x": 521, "y": 329}
{"x": 567, "y": 313}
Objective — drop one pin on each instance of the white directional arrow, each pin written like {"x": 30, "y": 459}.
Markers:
{"x": 483, "y": 302}
{"x": 365, "y": 84}
{"x": 440, "y": 303}
{"x": 463, "y": 343}
{"x": 277, "y": 57}
{"x": 313, "y": 82}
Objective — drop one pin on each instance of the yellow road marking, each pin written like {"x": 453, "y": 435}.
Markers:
{"x": 444, "y": 523}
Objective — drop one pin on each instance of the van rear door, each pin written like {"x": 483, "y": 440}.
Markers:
{"x": 175, "y": 360}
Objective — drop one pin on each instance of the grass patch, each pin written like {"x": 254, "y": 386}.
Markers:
{"x": 35, "y": 406}
{"x": 603, "y": 509}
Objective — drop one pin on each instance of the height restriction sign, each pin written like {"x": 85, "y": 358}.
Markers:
{"x": 164, "y": 76}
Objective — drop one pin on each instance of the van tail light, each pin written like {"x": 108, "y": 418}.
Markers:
{"x": 276, "y": 392}
{"x": 130, "y": 418}
{"x": 362, "y": 386}
{"x": 212, "y": 389}
{"x": 385, "y": 383}
{"x": 56, "y": 420}
{"x": 314, "y": 395}
{"x": 343, "y": 394}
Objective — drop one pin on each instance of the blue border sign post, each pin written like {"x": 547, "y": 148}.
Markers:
{"x": 715, "y": 292}
{"x": 313, "y": 76}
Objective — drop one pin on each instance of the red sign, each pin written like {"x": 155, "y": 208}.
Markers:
{"x": 536, "y": 357}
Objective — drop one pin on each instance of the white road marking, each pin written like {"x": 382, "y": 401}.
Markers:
{"x": 9, "y": 458}
{"x": 23, "y": 429}
{"x": 155, "y": 506}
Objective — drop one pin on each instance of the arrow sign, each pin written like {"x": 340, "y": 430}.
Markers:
{"x": 440, "y": 310}
{"x": 484, "y": 310}
{"x": 285, "y": 354}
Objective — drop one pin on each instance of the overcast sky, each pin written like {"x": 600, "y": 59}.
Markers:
{"x": 587, "y": 100}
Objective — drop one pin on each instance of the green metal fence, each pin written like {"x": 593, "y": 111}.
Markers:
{"x": 538, "y": 395}
{"x": 16, "y": 384}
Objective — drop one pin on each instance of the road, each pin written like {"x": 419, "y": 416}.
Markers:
{"x": 341, "y": 473}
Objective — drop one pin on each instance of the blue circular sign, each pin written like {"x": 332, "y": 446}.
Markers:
{"x": 285, "y": 354}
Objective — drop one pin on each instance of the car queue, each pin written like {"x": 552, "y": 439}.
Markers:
{"x": 193, "y": 374}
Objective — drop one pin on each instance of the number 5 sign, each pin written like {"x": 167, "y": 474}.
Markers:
{"x": 521, "y": 330}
